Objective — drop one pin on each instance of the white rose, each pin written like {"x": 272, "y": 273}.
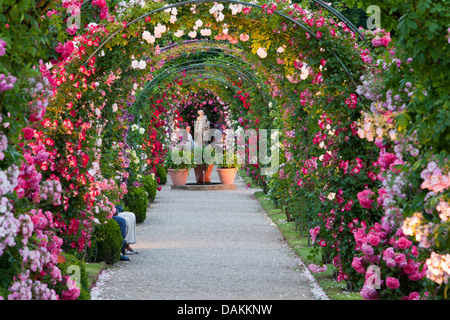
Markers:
{"x": 135, "y": 64}
{"x": 142, "y": 64}
{"x": 192, "y": 34}
{"x": 199, "y": 23}
{"x": 220, "y": 17}
{"x": 379, "y": 132}
{"x": 141, "y": 130}
{"x": 261, "y": 53}
{"x": 179, "y": 33}
{"x": 235, "y": 8}
{"x": 114, "y": 107}
{"x": 305, "y": 73}
{"x": 146, "y": 35}
{"x": 205, "y": 32}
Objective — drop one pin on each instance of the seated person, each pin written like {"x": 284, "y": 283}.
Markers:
{"x": 131, "y": 229}
{"x": 123, "y": 231}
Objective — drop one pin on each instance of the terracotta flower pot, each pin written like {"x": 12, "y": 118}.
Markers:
{"x": 203, "y": 173}
{"x": 179, "y": 177}
{"x": 226, "y": 175}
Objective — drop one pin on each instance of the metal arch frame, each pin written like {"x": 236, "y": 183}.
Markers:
{"x": 229, "y": 53}
{"x": 178, "y": 4}
{"x": 187, "y": 42}
{"x": 191, "y": 70}
{"x": 190, "y": 65}
{"x": 209, "y": 77}
{"x": 181, "y": 66}
{"x": 211, "y": 47}
{"x": 256, "y": 82}
{"x": 206, "y": 71}
{"x": 319, "y": 2}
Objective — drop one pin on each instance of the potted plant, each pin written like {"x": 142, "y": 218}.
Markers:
{"x": 178, "y": 167}
{"x": 204, "y": 169}
{"x": 227, "y": 168}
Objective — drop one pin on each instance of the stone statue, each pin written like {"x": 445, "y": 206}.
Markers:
{"x": 201, "y": 129}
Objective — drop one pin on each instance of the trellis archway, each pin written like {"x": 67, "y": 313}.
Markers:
{"x": 91, "y": 61}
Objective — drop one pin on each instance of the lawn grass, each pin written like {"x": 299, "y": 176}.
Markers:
{"x": 333, "y": 289}
{"x": 93, "y": 270}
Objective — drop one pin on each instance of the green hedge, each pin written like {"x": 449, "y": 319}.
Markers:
{"x": 136, "y": 201}
{"x": 150, "y": 186}
{"x": 161, "y": 172}
{"x": 83, "y": 278}
{"x": 106, "y": 244}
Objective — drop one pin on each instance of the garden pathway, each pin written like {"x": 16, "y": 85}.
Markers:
{"x": 208, "y": 245}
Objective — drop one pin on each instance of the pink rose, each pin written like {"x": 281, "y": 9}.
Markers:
{"x": 367, "y": 250}
{"x": 403, "y": 243}
{"x": 381, "y": 193}
{"x": 388, "y": 253}
{"x": 72, "y": 29}
{"x": 244, "y": 37}
{"x": 364, "y": 198}
{"x": 415, "y": 276}
{"x": 376, "y": 42}
{"x": 413, "y": 296}
{"x": 385, "y": 40}
{"x": 374, "y": 240}
{"x": 409, "y": 268}
{"x": 386, "y": 159}
{"x": 65, "y": 50}
{"x": 400, "y": 258}
{"x": 390, "y": 263}
{"x": 392, "y": 283}
{"x": 369, "y": 293}
{"x": 357, "y": 265}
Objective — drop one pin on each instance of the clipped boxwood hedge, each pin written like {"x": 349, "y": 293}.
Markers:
{"x": 150, "y": 186}
{"x": 161, "y": 172}
{"x": 107, "y": 243}
{"x": 136, "y": 201}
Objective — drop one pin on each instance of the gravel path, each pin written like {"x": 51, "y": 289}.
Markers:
{"x": 208, "y": 245}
